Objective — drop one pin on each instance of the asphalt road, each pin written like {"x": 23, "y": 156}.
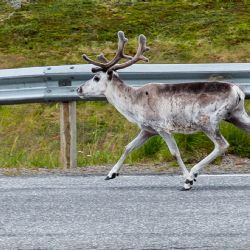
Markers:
{"x": 130, "y": 212}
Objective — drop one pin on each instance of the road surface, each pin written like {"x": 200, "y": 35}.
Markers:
{"x": 130, "y": 212}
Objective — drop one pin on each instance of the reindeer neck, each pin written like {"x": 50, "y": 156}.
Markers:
{"x": 121, "y": 96}
{"x": 118, "y": 92}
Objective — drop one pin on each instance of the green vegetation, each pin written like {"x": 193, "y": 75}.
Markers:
{"x": 58, "y": 31}
{"x": 55, "y": 32}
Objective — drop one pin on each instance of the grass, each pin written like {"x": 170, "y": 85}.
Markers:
{"x": 58, "y": 31}
{"x": 54, "y": 32}
{"x": 29, "y": 135}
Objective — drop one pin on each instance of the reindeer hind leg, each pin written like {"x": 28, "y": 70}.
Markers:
{"x": 220, "y": 146}
{"x": 241, "y": 120}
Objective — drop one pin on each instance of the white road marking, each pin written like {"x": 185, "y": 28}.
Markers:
{"x": 224, "y": 175}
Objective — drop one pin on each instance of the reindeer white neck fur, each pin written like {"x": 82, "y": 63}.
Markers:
{"x": 163, "y": 109}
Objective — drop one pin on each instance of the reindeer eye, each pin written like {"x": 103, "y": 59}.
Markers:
{"x": 97, "y": 78}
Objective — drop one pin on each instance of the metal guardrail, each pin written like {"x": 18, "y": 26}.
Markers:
{"x": 59, "y": 83}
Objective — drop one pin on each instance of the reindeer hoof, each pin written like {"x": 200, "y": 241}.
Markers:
{"x": 187, "y": 185}
{"x": 195, "y": 176}
{"x": 186, "y": 189}
{"x": 188, "y": 182}
{"x": 112, "y": 176}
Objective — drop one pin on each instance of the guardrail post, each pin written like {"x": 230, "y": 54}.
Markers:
{"x": 68, "y": 134}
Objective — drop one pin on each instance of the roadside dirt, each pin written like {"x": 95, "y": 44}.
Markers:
{"x": 229, "y": 164}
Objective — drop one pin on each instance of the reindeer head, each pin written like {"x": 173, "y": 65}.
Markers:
{"x": 105, "y": 69}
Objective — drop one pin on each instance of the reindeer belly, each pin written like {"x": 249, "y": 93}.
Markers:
{"x": 176, "y": 125}
{"x": 177, "y": 117}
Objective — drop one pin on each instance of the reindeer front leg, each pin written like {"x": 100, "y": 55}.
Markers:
{"x": 142, "y": 137}
{"x": 173, "y": 148}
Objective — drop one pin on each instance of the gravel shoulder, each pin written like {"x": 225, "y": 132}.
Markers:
{"x": 229, "y": 164}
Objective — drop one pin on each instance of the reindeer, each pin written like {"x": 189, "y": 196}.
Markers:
{"x": 164, "y": 109}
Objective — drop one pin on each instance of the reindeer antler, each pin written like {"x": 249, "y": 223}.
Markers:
{"x": 104, "y": 64}
{"x": 138, "y": 56}
{"x": 102, "y": 58}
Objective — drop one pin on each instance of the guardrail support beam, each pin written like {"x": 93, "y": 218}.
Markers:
{"x": 68, "y": 156}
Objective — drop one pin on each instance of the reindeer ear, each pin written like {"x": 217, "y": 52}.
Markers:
{"x": 110, "y": 74}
